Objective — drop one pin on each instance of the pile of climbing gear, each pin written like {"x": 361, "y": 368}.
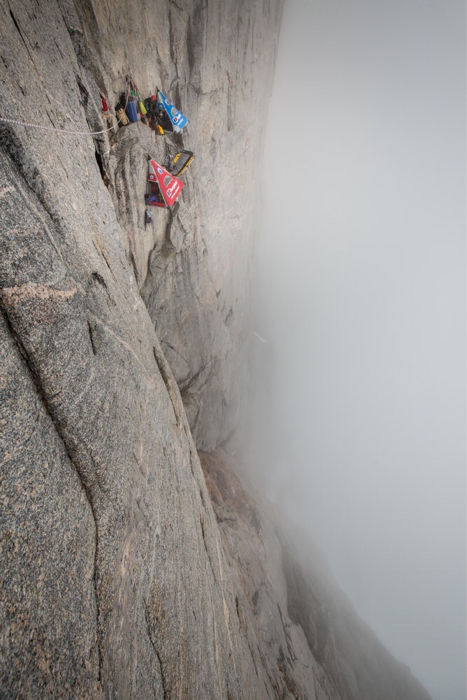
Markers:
{"x": 156, "y": 111}
{"x": 162, "y": 117}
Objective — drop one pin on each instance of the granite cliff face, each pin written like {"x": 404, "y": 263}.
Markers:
{"x": 122, "y": 353}
{"x": 193, "y": 270}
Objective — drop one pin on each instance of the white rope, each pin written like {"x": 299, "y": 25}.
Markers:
{"x": 60, "y": 131}
{"x": 52, "y": 128}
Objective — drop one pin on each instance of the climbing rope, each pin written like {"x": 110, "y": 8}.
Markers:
{"x": 52, "y": 128}
{"x": 61, "y": 131}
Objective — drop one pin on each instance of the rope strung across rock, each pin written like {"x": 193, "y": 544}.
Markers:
{"x": 60, "y": 131}
{"x": 52, "y": 128}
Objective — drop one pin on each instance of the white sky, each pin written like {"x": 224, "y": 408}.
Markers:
{"x": 362, "y": 257}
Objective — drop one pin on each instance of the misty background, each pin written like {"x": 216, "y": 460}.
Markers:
{"x": 362, "y": 262}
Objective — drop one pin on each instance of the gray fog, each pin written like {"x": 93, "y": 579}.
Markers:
{"x": 362, "y": 261}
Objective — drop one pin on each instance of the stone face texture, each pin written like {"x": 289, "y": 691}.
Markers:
{"x": 112, "y": 581}
{"x": 117, "y": 580}
{"x": 215, "y": 60}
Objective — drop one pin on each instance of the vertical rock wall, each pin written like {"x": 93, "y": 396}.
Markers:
{"x": 111, "y": 562}
{"x": 215, "y": 60}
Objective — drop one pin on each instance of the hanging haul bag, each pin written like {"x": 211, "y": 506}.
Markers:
{"x": 181, "y": 162}
{"x": 121, "y": 116}
{"x": 131, "y": 110}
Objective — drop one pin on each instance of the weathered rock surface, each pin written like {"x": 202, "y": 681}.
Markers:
{"x": 111, "y": 572}
{"x": 117, "y": 580}
{"x": 194, "y": 268}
